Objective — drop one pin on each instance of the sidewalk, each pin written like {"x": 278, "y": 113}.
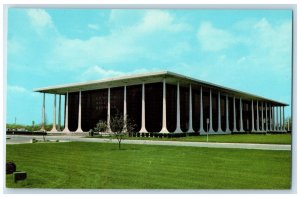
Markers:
{"x": 20, "y": 139}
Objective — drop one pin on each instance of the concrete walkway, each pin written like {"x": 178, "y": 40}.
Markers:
{"x": 21, "y": 139}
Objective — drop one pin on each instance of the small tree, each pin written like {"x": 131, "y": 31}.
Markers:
{"x": 101, "y": 126}
{"x": 120, "y": 127}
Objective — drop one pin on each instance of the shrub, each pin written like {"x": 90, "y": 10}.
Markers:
{"x": 101, "y": 126}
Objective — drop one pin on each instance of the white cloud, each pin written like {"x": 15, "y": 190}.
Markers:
{"x": 253, "y": 55}
{"x": 160, "y": 20}
{"x": 14, "y": 46}
{"x": 93, "y": 26}
{"x": 16, "y": 89}
{"x": 39, "y": 18}
{"x": 214, "y": 39}
{"x": 76, "y": 53}
{"x": 257, "y": 43}
{"x": 120, "y": 18}
{"x": 97, "y": 72}
{"x": 274, "y": 41}
{"x": 146, "y": 21}
{"x": 120, "y": 45}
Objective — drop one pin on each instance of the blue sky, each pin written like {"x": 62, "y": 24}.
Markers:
{"x": 249, "y": 50}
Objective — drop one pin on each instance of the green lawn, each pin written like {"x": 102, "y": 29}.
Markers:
{"x": 103, "y": 166}
{"x": 234, "y": 138}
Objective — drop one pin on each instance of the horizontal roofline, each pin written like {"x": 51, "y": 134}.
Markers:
{"x": 108, "y": 81}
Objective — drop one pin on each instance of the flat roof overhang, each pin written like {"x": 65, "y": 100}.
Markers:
{"x": 152, "y": 77}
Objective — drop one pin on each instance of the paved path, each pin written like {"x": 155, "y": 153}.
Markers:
{"x": 20, "y": 139}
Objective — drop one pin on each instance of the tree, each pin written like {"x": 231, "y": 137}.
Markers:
{"x": 121, "y": 127}
{"x": 101, "y": 126}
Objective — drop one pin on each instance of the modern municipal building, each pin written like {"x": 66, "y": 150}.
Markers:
{"x": 164, "y": 102}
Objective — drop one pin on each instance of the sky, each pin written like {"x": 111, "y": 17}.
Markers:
{"x": 248, "y": 50}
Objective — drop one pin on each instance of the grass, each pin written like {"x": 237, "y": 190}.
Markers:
{"x": 102, "y": 166}
{"x": 234, "y": 138}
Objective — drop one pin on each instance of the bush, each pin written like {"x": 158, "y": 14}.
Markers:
{"x": 10, "y": 167}
{"x": 101, "y": 126}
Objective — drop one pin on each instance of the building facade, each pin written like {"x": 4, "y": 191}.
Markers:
{"x": 164, "y": 102}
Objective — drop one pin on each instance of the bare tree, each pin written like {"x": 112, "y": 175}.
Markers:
{"x": 120, "y": 126}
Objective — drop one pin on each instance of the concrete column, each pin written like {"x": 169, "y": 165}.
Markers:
{"x": 234, "y": 116}
{"x": 282, "y": 115}
{"x": 274, "y": 118}
{"x": 210, "y": 113}
{"x": 267, "y": 119}
{"x": 227, "y": 116}
{"x": 262, "y": 116}
{"x": 277, "y": 119}
{"x": 59, "y": 112}
{"x": 164, "y": 116}
{"x": 280, "y": 118}
{"x": 190, "y": 129}
{"x": 108, "y": 111}
{"x": 178, "y": 129}
{"x": 270, "y": 118}
{"x": 219, "y": 113}
{"x": 241, "y": 116}
{"x": 125, "y": 109}
{"x": 257, "y": 117}
{"x": 201, "y": 112}
{"x": 66, "y": 129}
{"x": 143, "y": 127}
{"x": 54, "y": 115}
{"x": 252, "y": 117}
{"x": 79, "y": 129}
{"x": 43, "y": 114}
{"x": 283, "y": 129}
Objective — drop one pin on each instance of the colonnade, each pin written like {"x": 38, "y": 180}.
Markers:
{"x": 274, "y": 121}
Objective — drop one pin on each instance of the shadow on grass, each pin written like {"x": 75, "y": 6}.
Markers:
{"x": 125, "y": 149}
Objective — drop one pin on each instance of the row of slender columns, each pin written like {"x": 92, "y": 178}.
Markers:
{"x": 279, "y": 120}
{"x": 55, "y": 128}
{"x": 274, "y": 123}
